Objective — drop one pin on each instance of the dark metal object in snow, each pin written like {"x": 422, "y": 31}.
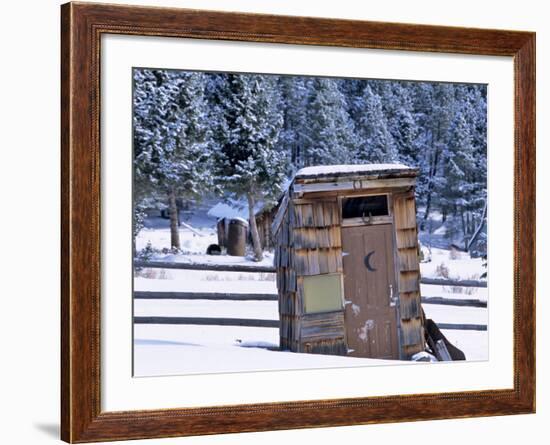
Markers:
{"x": 214, "y": 249}
{"x": 236, "y": 237}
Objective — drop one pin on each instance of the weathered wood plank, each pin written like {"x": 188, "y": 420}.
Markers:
{"x": 304, "y": 215}
{"x": 333, "y": 256}
{"x": 408, "y": 259}
{"x": 323, "y": 326}
{"x": 462, "y": 327}
{"x": 313, "y": 262}
{"x": 248, "y": 322}
{"x": 323, "y": 258}
{"x": 404, "y": 211}
{"x": 406, "y": 238}
{"x": 150, "y": 295}
{"x": 301, "y": 261}
{"x": 311, "y": 238}
{"x": 457, "y": 283}
{"x": 318, "y": 212}
{"x": 409, "y": 281}
{"x": 205, "y": 266}
{"x": 359, "y": 184}
{"x": 280, "y": 215}
{"x": 411, "y": 332}
{"x": 410, "y": 306}
{"x": 271, "y": 269}
{"x": 454, "y": 302}
{"x": 335, "y": 236}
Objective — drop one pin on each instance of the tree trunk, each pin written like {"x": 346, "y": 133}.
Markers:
{"x": 479, "y": 227}
{"x": 174, "y": 232}
{"x": 258, "y": 255}
{"x": 426, "y": 211}
{"x": 464, "y": 229}
{"x": 431, "y": 178}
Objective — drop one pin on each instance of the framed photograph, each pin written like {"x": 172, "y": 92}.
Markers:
{"x": 274, "y": 222}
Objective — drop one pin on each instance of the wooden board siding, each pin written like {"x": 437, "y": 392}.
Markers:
{"x": 410, "y": 312}
{"x": 358, "y": 184}
{"x": 308, "y": 243}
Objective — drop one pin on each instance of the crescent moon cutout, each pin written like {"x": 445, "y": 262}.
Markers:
{"x": 367, "y": 262}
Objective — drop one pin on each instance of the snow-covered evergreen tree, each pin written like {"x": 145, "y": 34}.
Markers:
{"x": 330, "y": 135}
{"x": 260, "y": 129}
{"x": 436, "y": 109}
{"x": 172, "y": 139}
{"x": 249, "y": 163}
{"x": 376, "y": 143}
{"x": 295, "y": 97}
{"x": 401, "y": 123}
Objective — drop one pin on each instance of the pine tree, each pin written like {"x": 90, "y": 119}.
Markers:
{"x": 172, "y": 140}
{"x": 295, "y": 98}
{"x": 249, "y": 163}
{"x": 458, "y": 163}
{"x": 436, "y": 108}
{"x": 401, "y": 124}
{"x": 376, "y": 142}
{"x": 330, "y": 136}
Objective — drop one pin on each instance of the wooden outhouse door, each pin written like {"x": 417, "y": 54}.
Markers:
{"x": 370, "y": 291}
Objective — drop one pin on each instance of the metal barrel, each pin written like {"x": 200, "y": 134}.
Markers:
{"x": 236, "y": 237}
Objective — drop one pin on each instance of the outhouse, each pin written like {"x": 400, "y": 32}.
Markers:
{"x": 346, "y": 254}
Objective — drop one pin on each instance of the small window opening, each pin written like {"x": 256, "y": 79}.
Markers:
{"x": 365, "y": 206}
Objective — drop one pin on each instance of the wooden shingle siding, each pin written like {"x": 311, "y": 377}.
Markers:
{"x": 286, "y": 282}
{"x": 318, "y": 261}
{"x": 412, "y": 334}
{"x": 410, "y": 305}
{"x": 404, "y": 211}
{"x": 406, "y": 238}
{"x": 318, "y": 237}
{"x": 409, "y": 281}
{"x": 412, "y": 331}
{"x": 316, "y": 214}
{"x": 408, "y": 259}
{"x": 309, "y": 243}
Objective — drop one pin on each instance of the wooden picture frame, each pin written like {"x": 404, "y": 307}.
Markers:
{"x": 82, "y": 26}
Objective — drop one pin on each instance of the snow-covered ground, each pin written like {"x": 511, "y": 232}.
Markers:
{"x": 178, "y": 349}
{"x": 184, "y": 349}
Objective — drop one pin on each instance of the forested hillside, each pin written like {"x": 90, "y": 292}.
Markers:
{"x": 243, "y": 136}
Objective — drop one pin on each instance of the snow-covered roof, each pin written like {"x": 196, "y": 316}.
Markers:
{"x": 352, "y": 170}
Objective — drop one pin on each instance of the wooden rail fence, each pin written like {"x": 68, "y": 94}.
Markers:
{"x": 216, "y": 267}
{"x": 217, "y": 321}
{"x": 247, "y": 322}
{"x": 153, "y": 295}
